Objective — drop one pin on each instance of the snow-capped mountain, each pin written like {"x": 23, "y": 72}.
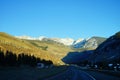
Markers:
{"x": 26, "y": 37}
{"x": 109, "y": 50}
{"x": 92, "y": 42}
{"x": 79, "y": 43}
{"x": 65, "y": 41}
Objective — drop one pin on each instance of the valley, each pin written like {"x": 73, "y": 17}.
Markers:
{"x": 53, "y": 49}
{"x": 66, "y": 61}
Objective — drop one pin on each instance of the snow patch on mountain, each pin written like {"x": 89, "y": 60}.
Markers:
{"x": 25, "y": 37}
{"x": 79, "y": 43}
{"x": 91, "y": 43}
{"x": 40, "y": 38}
{"x": 65, "y": 41}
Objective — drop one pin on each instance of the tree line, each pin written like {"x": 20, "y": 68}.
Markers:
{"x": 10, "y": 59}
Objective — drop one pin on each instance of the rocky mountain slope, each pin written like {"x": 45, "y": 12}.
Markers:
{"x": 92, "y": 42}
{"x": 53, "y": 49}
{"x": 107, "y": 52}
{"x": 64, "y": 41}
{"x": 77, "y": 57}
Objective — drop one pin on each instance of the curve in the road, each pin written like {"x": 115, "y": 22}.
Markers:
{"x": 72, "y": 73}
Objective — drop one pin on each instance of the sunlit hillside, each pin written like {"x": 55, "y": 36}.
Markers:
{"x": 53, "y": 48}
{"x": 43, "y": 49}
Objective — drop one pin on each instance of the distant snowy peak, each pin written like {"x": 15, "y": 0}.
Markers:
{"x": 65, "y": 41}
{"x": 94, "y": 42}
{"x": 79, "y": 43}
{"x": 41, "y": 38}
{"x": 91, "y": 43}
{"x": 70, "y": 41}
{"x": 30, "y": 38}
{"x": 79, "y": 40}
{"x": 25, "y": 37}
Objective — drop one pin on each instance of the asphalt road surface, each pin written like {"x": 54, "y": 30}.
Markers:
{"x": 73, "y": 73}
{"x": 102, "y": 76}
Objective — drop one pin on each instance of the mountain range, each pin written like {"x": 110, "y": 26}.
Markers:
{"x": 44, "y": 49}
{"x": 54, "y": 49}
{"x": 92, "y": 42}
{"x": 107, "y": 52}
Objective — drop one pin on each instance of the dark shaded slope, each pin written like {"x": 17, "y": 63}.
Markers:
{"x": 77, "y": 57}
{"x": 108, "y": 51}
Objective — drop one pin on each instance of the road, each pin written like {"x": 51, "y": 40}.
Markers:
{"x": 102, "y": 76}
{"x": 73, "y": 73}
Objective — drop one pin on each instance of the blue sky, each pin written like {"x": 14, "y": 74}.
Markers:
{"x": 60, "y": 18}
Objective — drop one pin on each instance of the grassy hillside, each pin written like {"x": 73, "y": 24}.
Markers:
{"x": 43, "y": 49}
{"x": 53, "y": 48}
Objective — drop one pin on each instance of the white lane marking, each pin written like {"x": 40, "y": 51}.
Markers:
{"x": 89, "y": 75}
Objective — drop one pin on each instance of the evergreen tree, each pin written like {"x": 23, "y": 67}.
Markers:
{"x": 2, "y": 58}
{"x": 10, "y": 59}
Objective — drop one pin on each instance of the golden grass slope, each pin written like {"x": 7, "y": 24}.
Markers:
{"x": 53, "y": 51}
